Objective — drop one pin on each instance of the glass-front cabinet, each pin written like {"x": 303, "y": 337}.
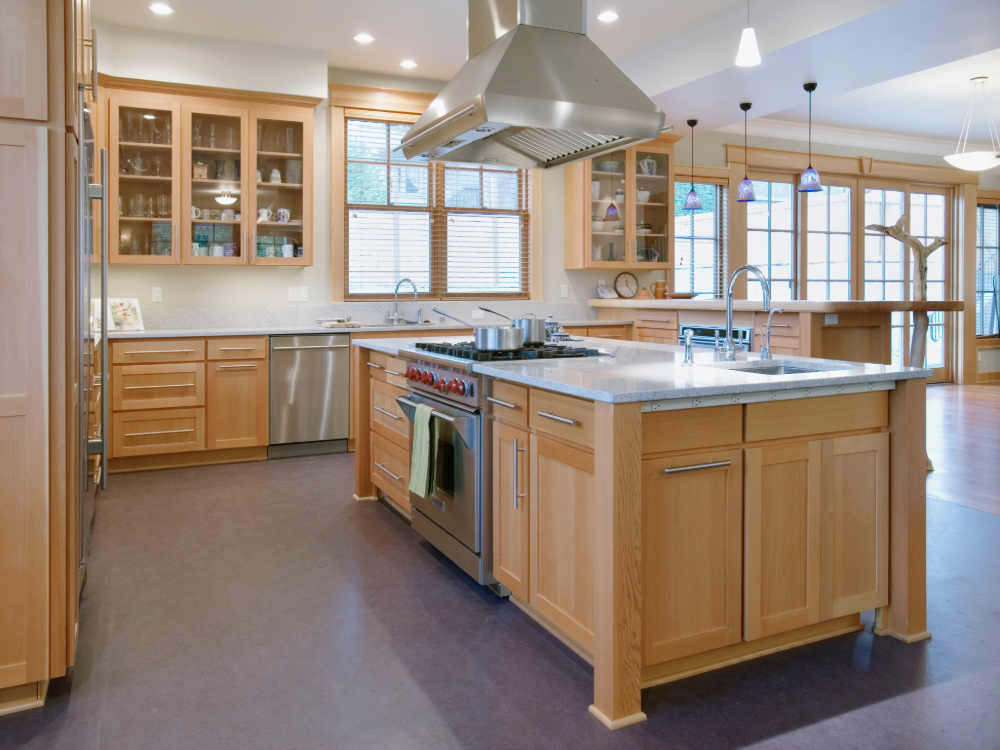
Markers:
{"x": 619, "y": 209}
{"x": 279, "y": 207}
{"x": 144, "y": 166}
{"x": 203, "y": 181}
{"x": 215, "y": 190}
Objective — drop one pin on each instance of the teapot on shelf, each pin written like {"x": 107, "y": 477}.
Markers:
{"x": 647, "y": 165}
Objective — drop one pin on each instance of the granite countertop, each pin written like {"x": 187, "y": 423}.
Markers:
{"x": 299, "y": 330}
{"x": 630, "y": 371}
{"x": 792, "y": 306}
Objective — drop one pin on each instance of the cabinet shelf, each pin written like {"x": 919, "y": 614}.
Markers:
{"x": 296, "y": 224}
{"x": 213, "y": 221}
{"x": 651, "y": 176}
{"x": 279, "y": 153}
{"x": 279, "y": 185}
{"x": 598, "y": 173}
{"x": 163, "y": 219}
{"x": 157, "y": 146}
{"x": 143, "y": 178}
{"x": 210, "y": 150}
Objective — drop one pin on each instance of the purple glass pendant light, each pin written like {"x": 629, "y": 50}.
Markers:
{"x": 693, "y": 202}
{"x": 744, "y": 192}
{"x": 809, "y": 183}
{"x": 611, "y": 214}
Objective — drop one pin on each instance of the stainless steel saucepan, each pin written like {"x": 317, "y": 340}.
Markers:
{"x": 504, "y": 339}
{"x": 534, "y": 329}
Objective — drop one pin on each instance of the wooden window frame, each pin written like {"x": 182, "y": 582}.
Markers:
{"x": 985, "y": 201}
{"x": 707, "y": 176}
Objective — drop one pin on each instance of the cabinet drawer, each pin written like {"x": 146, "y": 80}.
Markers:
{"x": 391, "y": 470}
{"x": 786, "y": 345}
{"x": 507, "y": 395}
{"x": 576, "y": 331}
{"x": 158, "y": 386}
{"x": 388, "y": 419}
{"x": 686, "y": 429}
{"x": 609, "y": 332}
{"x": 157, "y": 350}
{"x": 782, "y": 324}
{"x": 771, "y": 420}
{"x": 387, "y": 369}
{"x": 249, "y": 348}
{"x": 656, "y": 336}
{"x": 146, "y": 433}
{"x": 567, "y": 418}
{"x": 649, "y": 319}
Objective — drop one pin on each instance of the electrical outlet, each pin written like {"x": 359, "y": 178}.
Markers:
{"x": 157, "y": 294}
{"x": 601, "y": 282}
{"x": 564, "y": 290}
{"x": 478, "y": 314}
{"x": 298, "y": 293}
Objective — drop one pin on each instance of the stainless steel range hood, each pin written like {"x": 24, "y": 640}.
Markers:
{"x": 535, "y": 93}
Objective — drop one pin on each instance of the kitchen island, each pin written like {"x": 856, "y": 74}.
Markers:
{"x": 664, "y": 520}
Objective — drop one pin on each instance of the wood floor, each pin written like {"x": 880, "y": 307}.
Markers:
{"x": 963, "y": 441}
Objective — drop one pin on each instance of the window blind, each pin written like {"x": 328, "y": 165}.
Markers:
{"x": 455, "y": 230}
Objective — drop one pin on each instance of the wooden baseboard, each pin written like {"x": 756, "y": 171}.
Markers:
{"x": 904, "y": 638}
{"x": 566, "y": 640}
{"x": 194, "y": 458}
{"x": 23, "y": 697}
{"x": 678, "y": 669}
{"x": 366, "y": 499}
{"x": 616, "y": 723}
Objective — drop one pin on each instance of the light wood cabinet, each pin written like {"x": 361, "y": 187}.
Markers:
{"x": 561, "y": 506}
{"x": 145, "y": 433}
{"x": 691, "y": 542}
{"x": 391, "y": 470}
{"x": 632, "y": 191}
{"x": 511, "y": 505}
{"x": 561, "y": 416}
{"x": 24, "y": 61}
{"x": 656, "y": 326}
{"x": 237, "y": 404}
{"x": 782, "y": 538}
{"x": 163, "y": 386}
{"x": 209, "y": 179}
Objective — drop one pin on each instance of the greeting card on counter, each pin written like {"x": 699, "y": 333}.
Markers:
{"x": 124, "y": 315}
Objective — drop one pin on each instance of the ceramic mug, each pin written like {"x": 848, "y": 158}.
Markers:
{"x": 195, "y": 212}
{"x": 264, "y": 214}
{"x": 284, "y": 214}
{"x": 287, "y": 251}
{"x": 619, "y": 194}
{"x": 218, "y": 251}
{"x": 214, "y": 214}
{"x": 236, "y": 216}
{"x": 260, "y": 176}
{"x": 229, "y": 215}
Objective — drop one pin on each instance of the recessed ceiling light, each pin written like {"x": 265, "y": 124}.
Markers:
{"x": 364, "y": 38}
{"x": 407, "y": 64}
{"x": 161, "y": 8}
{"x": 608, "y": 16}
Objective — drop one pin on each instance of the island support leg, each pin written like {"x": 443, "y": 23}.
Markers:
{"x": 905, "y": 617}
{"x": 617, "y": 550}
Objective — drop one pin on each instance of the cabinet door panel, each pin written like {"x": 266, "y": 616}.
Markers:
{"x": 855, "y": 564}
{"x": 237, "y": 404}
{"x": 510, "y": 508}
{"x": 562, "y": 510}
{"x": 147, "y": 433}
{"x": 24, "y": 61}
{"x": 691, "y": 541}
{"x": 158, "y": 386}
{"x": 782, "y": 538}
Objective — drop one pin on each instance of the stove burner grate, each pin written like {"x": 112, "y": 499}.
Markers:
{"x": 467, "y": 350}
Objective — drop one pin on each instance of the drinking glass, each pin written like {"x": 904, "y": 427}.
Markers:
{"x": 290, "y": 139}
{"x": 133, "y": 206}
{"x": 150, "y": 211}
{"x": 231, "y": 138}
{"x": 158, "y": 165}
{"x": 196, "y": 133}
{"x": 163, "y": 206}
{"x": 279, "y": 141}
{"x": 166, "y": 128}
{"x": 211, "y": 136}
{"x": 260, "y": 137}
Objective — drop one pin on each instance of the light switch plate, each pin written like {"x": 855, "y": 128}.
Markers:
{"x": 478, "y": 314}
{"x": 157, "y": 294}
{"x": 831, "y": 320}
{"x": 298, "y": 294}
{"x": 564, "y": 290}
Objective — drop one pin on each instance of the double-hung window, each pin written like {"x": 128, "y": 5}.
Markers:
{"x": 455, "y": 230}
{"x": 987, "y": 279}
{"x": 701, "y": 254}
{"x": 771, "y": 227}
{"x": 828, "y": 243}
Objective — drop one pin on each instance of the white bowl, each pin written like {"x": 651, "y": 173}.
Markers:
{"x": 643, "y": 196}
{"x": 607, "y": 166}
{"x": 597, "y": 226}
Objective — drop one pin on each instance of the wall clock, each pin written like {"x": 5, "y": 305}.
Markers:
{"x": 626, "y": 285}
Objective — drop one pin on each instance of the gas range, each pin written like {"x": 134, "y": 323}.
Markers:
{"x": 466, "y": 350}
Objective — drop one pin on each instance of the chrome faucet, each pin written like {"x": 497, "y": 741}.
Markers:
{"x": 729, "y": 348}
{"x": 396, "y": 318}
{"x": 688, "y": 357}
{"x": 765, "y": 351}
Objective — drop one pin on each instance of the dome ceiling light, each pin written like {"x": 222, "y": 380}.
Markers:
{"x": 976, "y": 161}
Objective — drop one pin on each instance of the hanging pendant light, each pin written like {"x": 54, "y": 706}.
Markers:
{"x": 976, "y": 161}
{"x": 693, "y": 202}
{"x": 611, "y": 214}
{"x": 809, "y": 183}
{"x": 225, "y": 199}
{"x": 744, "y": 191}
{"x": 748, "y": 54}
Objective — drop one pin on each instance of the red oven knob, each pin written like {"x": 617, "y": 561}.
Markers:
{"x": 412, "y": 373}
{"x": 457, "y": 386}
{"x": 427, "y": 378}
{"x": 441, "y": 385}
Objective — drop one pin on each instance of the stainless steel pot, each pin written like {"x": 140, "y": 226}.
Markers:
{"x": 534, "y": 329}
{"x": 503, "y": 339}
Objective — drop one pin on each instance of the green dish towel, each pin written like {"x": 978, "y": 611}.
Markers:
{"x": 423, "y": 456}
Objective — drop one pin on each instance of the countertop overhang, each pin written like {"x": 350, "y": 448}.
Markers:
{"x": 793, "y": 306}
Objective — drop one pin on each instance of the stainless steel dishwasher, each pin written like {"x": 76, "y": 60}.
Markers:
{"x": 310, "y": 394}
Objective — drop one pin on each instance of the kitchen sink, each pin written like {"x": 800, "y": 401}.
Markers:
{"x": 777, "y": 367}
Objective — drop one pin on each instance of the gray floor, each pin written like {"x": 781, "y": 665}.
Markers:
{"x": 258, "y": 606}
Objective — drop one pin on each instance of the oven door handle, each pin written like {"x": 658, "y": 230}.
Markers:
{"x": 464, "y": 426}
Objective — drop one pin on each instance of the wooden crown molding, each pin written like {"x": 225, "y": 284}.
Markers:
{"x": 852, "y": 166}
{"x": 211, "y": 92}
{"x": 988, "y": 196}
{"x": 378, "y": 99}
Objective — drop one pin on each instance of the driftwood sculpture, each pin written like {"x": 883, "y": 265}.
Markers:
{"x": 918, "y": 342}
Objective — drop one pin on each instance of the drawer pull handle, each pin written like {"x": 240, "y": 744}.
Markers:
{"x": 383, "y": 411}
{"x": 161, "y": 432}
{"x": 380, "y": 466}
{"x": 609, "y": 336}
{"x": 330, "y": 346}
{"x": 697, "y": 467}
{"x": 655, "y": 320}
{"x": 237, "y": 367}
{"x": 391, "y": 372}
{"x": 144, "y": 387}
{"x": 516, "y": 473}
{"x": 163, "y": 351}
{"x": 503, "y": 403}
{"x": 372, "y": 364}
{"x": 558, "y": 419}
{"x": 237, "y": 348}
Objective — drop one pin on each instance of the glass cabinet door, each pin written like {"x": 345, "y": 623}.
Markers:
{"x": 215, "y": 195}
{"x": 610, "y": 208}
{"x": 281, "y": 188}
{"x": 145, "y": 194}
{"x": 653, "y": 207}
